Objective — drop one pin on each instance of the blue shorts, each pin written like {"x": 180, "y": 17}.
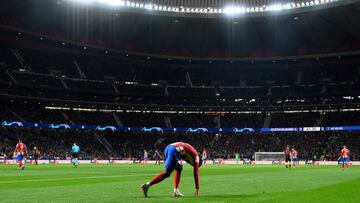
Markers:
{"x": 20, "y": 157}
{"x": 345, "y": 160}
{"x": 146, "y": 158}
{"x": 171, "y": 158}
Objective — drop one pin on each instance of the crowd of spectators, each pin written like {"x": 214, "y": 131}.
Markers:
{"x": 56, "y": 144}
{"x": 53, "y": 144}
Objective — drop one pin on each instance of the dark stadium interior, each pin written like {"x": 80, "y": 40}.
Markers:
{"x": 306, "y": 33}
{"x": 184, "y": 72}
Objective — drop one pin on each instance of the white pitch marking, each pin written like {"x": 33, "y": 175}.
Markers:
{"x": 90, "y": 177}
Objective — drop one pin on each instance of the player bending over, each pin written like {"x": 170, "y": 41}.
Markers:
{"x": 344, "y": 157}
{"x": 75, "y": 154}
{"x": 174, "y": 153}
{"x": 21, "y": 152}
{"x": 287, "y": 153}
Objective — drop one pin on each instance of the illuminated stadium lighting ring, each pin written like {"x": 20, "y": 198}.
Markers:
{"x": 227, "y": 10}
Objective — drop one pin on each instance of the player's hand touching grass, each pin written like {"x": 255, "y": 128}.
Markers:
{"x": 196, "y": 193}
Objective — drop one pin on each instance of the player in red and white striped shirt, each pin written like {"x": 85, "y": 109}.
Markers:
{"x": 204, "y": 156}
{"x": 21, "y": 152}
{"x": 344, "y": 157}
{"x": 174, "y": 154}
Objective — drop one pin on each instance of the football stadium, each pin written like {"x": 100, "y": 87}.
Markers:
{"x": 179, "y": 100}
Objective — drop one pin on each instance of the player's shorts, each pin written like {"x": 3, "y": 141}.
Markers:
{"x": 345, "y": 159}
{"x": 20, "y": 157}
{"x": 204, "y": 158}
{"x": 146, "y": 158}
{"x": 171, "y": 158}
{"x": 294, "y": 159}
{"x": 287, "y": 159}
{"x": 75, "y": 155}
{"x": 36, "y": 157}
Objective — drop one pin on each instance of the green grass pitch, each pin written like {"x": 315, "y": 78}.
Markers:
{"x": 218, "y": 183}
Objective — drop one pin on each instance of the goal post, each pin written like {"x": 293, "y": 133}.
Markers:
{"x": 269, "y": 156}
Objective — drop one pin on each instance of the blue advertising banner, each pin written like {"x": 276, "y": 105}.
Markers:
{"x": 169, "y": 130}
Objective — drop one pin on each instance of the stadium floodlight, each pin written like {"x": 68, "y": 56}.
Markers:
{"x": 234, "y": 10}
{"x": 229, "y": 10}
{"x": 84, "y": 1}
{"x": 275, "y": 7}
{"x": 112, "y": 2}
{"x": 148, "y": 7}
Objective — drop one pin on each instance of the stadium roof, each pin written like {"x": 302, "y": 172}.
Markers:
{"x": 331, "y": 30}
{"x": 215, "y": 8}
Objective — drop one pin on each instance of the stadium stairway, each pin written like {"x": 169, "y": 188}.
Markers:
{"x": 21, "y": 60}
{"x": 267, "y": 120}
{"x": 319, "y": 120}
{"x": 64, "y": 115}
{"x": 63, "y": 83}
{"x": 81, "y": 73}
{"x": 17, "y": 116}
{"x": 167, "y": 122}
{"x": 117, "y": 119}
{"x": 107, "y": 145}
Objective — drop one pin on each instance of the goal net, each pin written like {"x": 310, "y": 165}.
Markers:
{"x": 269, "y": 156}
